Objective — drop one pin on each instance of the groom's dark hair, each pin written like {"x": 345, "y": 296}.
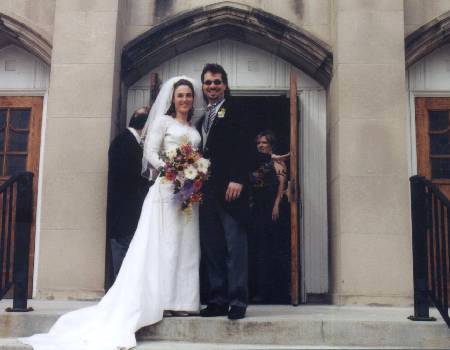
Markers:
{"x": 215, "y": 68}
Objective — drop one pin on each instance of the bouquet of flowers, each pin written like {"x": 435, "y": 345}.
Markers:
{"x": 187, "y": 170}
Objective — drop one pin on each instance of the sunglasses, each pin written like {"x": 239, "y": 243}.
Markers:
{"x": 210, "y": 82}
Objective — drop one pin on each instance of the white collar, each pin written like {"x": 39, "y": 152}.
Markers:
{"x": 135, "y": 134}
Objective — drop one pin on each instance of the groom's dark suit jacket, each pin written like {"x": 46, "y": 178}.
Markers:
{"x": 126, "y": 187}
{"x": 228, "y": 147}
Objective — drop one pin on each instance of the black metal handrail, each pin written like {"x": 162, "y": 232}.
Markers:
{"x": 16, "y": 203}
{"x": 430, "y": 211}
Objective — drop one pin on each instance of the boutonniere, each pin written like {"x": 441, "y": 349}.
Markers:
{"x": 221, "y": 113}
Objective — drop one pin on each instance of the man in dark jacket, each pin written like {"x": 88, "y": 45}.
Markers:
{"x": 224, "y": 210}
{"x": 127, "y": 188}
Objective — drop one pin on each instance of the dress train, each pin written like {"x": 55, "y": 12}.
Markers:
{"x": 159, "y": 272}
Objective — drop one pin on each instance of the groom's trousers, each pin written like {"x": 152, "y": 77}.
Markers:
{"x": 224, "y": 254}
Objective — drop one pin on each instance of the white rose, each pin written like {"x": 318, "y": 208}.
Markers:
{"x": 202, "y": 165}
{"x": 190, "y": 172}
{"x": 171, "y": 153}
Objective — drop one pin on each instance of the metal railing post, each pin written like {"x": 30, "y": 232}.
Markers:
{"x": 24, "y": 215}
{"x": 419, "y": 247}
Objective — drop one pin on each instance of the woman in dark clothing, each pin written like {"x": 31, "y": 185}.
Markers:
{"x": 267, "y": 243}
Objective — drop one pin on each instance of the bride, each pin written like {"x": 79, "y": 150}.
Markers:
{"x": 160, "y": 272}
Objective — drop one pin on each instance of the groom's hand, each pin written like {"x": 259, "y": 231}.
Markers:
{"x": 233, "y": 191}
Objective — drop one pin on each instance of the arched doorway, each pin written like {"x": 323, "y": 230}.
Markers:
{"x": 24, "y": 80}
{"x": 426, "y": 39}
{"x": 245, "y": 24}
{"x": 14, "y": 32}
{"x": 258, "y": 51}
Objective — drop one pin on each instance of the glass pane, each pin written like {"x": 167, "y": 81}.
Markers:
{"x": 440, "y": 168}
{"x": 15, "y": 164}
{"x": 3, "y": 113}
{"x": 20, "y": 118}
{"x": 440, "y": 144}
{"x": 18, "y": 141}
{"x": 438, "y": 120}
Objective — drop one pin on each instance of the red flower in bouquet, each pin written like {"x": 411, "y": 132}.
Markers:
{"x": 170, "y": 175}
{"x": 198, "y": 185}
{"x": 186, "y": 149}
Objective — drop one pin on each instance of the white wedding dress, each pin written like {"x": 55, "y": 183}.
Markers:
{"x": 160, "y": 270}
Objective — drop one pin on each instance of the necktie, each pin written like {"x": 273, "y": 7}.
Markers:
{"x": 209, "y": 116}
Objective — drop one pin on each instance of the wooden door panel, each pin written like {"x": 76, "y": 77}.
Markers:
{"x": 294, "y": 193}
{"x": 20, "y": 132}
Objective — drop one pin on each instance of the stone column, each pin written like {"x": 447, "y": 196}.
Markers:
{"x": 82, "y": 101}
{"x": 367, "y": 152}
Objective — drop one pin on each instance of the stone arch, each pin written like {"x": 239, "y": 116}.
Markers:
{"x": 26, "y": 37}
{"x": 427, "y": 38}
{"x": 252, "y": 26}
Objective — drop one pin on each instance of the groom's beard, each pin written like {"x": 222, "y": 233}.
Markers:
{"x": 217, "y": 97}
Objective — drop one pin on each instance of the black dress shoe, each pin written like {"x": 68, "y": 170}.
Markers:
{"x": 213, "y": 310}
{"x": 236, "y": 312}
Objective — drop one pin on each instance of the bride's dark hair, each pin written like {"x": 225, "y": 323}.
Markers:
{"x": 171, "y": 111}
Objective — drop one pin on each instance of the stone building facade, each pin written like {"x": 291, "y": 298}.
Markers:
{"x": 360, "y": 65}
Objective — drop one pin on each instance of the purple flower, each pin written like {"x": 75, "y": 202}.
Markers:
{"x": 186, "y": 191}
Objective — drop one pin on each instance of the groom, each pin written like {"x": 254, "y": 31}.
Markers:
{"x": 224, "y": 209}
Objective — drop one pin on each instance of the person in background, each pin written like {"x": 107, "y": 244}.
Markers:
{"x": 268, "y": 183}
{"x": 127, "y": 188}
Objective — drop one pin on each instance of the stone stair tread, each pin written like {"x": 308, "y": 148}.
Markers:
{"x": 305, "y": 326}
{"x": 166, "y": 345}
{"x": 13, "y": 344}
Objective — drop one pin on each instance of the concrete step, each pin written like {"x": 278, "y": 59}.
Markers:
{"x": 12, "y": 344}
{"x": 307, "y": 326}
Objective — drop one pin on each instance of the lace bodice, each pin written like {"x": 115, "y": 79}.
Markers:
{"x": 167, "y": 133}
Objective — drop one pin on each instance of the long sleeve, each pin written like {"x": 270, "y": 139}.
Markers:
{"x": 153, "y": 142}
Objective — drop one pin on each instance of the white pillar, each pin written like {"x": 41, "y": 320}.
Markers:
{"x": 368, "y": 174}
{"x": 82, "y": 100}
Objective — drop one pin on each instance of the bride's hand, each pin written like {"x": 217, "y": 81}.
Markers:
{"x": 233, "y": 191}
